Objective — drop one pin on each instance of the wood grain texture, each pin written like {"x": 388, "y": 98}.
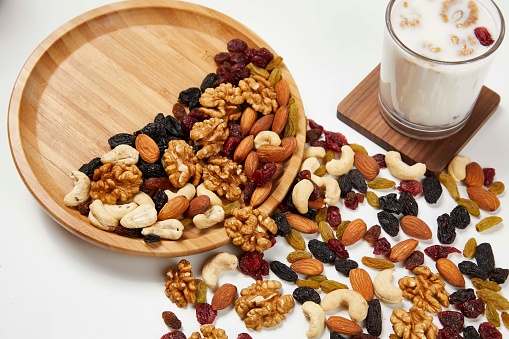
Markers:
{"x": 108, "y": 71}
{"x": 359, "y": 110}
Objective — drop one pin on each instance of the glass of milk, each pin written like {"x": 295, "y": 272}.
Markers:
{"x": 436, "y": 55}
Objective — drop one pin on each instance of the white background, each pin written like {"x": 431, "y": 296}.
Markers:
{"x": 55, "y": 285}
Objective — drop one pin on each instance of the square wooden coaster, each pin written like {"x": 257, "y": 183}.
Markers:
{"x": 359, "y": 110}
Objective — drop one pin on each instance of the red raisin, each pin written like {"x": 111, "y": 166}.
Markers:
{"x": 484, "y": 37}
{"x": 351, "y": 201}
{"x": 230, "y": 144}
{"x": 415, "y": 259}
{"x": 382, "y": 247}
{"x": 313, "y": 135}
{"x": 373, "y": 234}
{"x": 436, "y": 252}
{"x": 333, "y": 216}
{"x": 178, "y": 111}
{"x": 248, "y": 192}
{"x": 205, "y": 314}
{"x": 171, "y": 320}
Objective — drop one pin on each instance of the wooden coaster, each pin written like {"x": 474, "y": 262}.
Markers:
{"x": 359, "y": 110}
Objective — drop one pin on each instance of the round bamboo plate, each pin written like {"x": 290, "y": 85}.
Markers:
{"x": 108, "y": 71}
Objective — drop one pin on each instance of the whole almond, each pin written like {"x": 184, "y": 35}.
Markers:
{"x": 415, "y": 227}
{"x": 402, "y": 250}
{"x": 243, "y": 149}
{"x": 147, "y": 148}
{"x": 248, "y": 118}
{"x": 302, "y": 224}
{"x": 262, "y": 124}
{"x": 474, "y": 175}
{"x": 260, "y": 194}
{"x": 354, "y": 232}
{"x": 289, "y": 144}
{"x": 282, "y": 90}
{"x": 361, "y": 282}
{"x": 251, "y": 164}
{"x": 308, "y": 267}
{"x": 486, "y": 200}
{"x": 271, "y": 154}
{"x": 280, "y": 119}
{"x": 224, "y": 296}
{"x": 198, "y": 205}
{"x": 367, "y": 165}
{"x": 174, "y": 208}
{"x": 450, "y": 272}
{"x": 336, "y": 323}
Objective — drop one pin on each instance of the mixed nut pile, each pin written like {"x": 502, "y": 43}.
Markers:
{"x": 227, "y": 148}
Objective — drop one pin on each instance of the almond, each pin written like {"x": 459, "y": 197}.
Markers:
{"x": 174, "y": 208}
{"x": 243, "y": 149}
{"x": 271, "y": 154}
{"x": 280, "y": 119}
{"x": 307, "y": 266}
{"x": 335, "y": 323}
{"x": 289, "y": 144}
{"x": 486, "y": 200}
{"x": 354, "y": 232}
{"x": 262, "y": 124}
{"x": 361, "y": 282}
{"x": 450, "y": 272}
{"x": 248, "y": 118}
{"x": 474, "y": 175}
{"x": 282, "y": 89}
{"x": 402, "y": 250}
{"x": 415, "y": 227}
{"x": 147, "y": 147}
{"x": 260, "y": 194}
{"x": 223, "y": 297}
{"x": 367, "y": 165}
{"x": 302, "y": 224}
{"x": 198, "y": 205}
{"x": 251, "y": 164}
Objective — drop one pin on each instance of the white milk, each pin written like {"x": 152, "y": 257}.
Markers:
{"x": 436, "y": 84}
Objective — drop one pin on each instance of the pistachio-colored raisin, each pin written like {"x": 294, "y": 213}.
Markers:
{"x": 487, "y": 223}
{"x": 490, "y": 285}
{"x": 470, "y": 205}
{"x": 495, "y": 298}
{"x": 377, "y": 263}
{"x": 372, "y": 199}
{"x": 341, "y": 228}
{"x": 297, "y": 255}
{"x": 381, "y": 183}
{"x": 274, "y": 77}
{"x": 292, "y": 125}
{"x": 186, "y": 222}
{"x": 505, "y": 318}
{"x": 201, "y": 291}
{"x": 497, "y": 187}
{"x": 255, "y": 70}
{"x": 275, "y": 62}
{"x": 331, "y": 285}
{"x": 230, "y": 207}
{"x": 358, "y": 148}
{"x": 469, "y": 250}
{"x": 329, "y": 155}
{"x": 326, "y": 231}
{"x": 450, "y": 185}
{"x": 308, "y": 283}
{"x": 321, "y": 171}
{"x": 296, "y": 240}
{"x": 492, "y": 315}
{"x": 319, "y": 278}
{"x": 321, "y": 215}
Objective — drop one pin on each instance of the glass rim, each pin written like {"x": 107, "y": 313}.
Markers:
{"x": 490, "y": 51}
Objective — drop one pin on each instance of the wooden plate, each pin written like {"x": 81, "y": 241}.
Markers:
{"x": 108, "y": 71}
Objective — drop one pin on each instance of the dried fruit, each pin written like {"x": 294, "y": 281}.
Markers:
{"x": 408, "y": 204}
{"x": 372, "y": 199}
{"x": 471, "y": 269}
{"x": 374, "y": 318}
{"x": 296, "y": 240}
{"x": 450, "y": 184}
{"x": 414, "y": 260}
{"x": 345, "y": 265}
{"x": 297, "y": 255}
{"x": 338, "y": 247}
{"x": 446, "y": 232}
{"x": 382, "y": 246}
{"x": 303, "y": 294}
{"x": 381, "y": 183}
{"x": 171, "y": 320}
{"x": 308, "y": 283}
{"x": 459, "y": 217}
{"x": 388, "y": 222}
{"x": 331, "y": 285}
{"x": 432, "y": 189}
{"x": 377, "y": 263}
{"x": 484, "y": 257}
{"x": 174, "y": 335}
{"x": 470, "y": 332}
{"x": 483, "y": 35}
{"x": 488, "y": 331}
{"x": 321, "y": 251}
{"x": 283, "y": 271}
{"x": 497, "y": 188}
{"x": 390, "y": 203}
{"x": 470, "y": 205}
{"x": 469, "y": 249}
{"x": 452, "y": 319}
{"x": 472, "y": 308}
{"x": 498, "y": 275}
{"x": 252, "y": 264}
{"x": 490, "y": 285}
{"x": 201, "y": 291}
{"x": 326, "y": 232}
{"x": 487, "y": 223}
{"x": 505, "y": 318}
{"x": 413, "y": 187}
{"x": 462, "y": 295}
{"x": 436, "y": 252}
{"x": 205, "y": 314}
{"x": 372, "y": 234}
{"x": 333, "y": 216}
{"x": 494, "y": 298}
{"x": 492, "y": 315}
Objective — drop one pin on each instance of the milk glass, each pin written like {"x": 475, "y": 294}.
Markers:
{"x": 434, "y": 63}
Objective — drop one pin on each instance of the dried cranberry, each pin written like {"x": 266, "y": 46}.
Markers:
{"x": 488, "y": 331}
{"x": 436, "y": 252}
{"x": 452, "y": 319}
{"x": 236, "y": 46}
{"x": 253, "y": 265}
{"x": 319, "y": 143}
{"x": 230, "y": 144}
{"x": 197, "y": 114}
{"x": 489, "y": 175}
{"x": 234, "y": 129}
{"x": 237, "y": 73}
{"x": 382, "y": 246}
{"x": 221, "y": 57}
{"x": 317, "y": 192}
{"x": 334, "y": 141}
{"x": 305, "y": 174}
{"x": 238, "y": 59}
{"x": 174, "y": 335}
{"x": 244, "y": 336}
{"x": 337, "y": 246}
{"x": 380, "y": 160}
{"x": 263, "y": 175}
{"x": 314, "y": 125}
{"x": 188, "y": 122}
{"x": 448, "y": 333}
{"x": 313, "y": 135}
{"x": 262, "y": 57}
{"x": 248, "y": 192}
{"x": 472, "y": 308}
{"x": 413, "y": 187}
{"x": 333, "y": 216}
{"x": 249, "y": 54}
{"x": 484, "y": 37}
{"x": 351, "y": 200}
{"x": 205, "y": 314}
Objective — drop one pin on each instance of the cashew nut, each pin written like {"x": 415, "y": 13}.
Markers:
{"x": 401, "y": 170}
{"x": 142, "y": 216}
{"x": 100, "y": 217}
{"x": 332, "y": 191}
{"x": 312, "y": 164}
{"x": 118, "y": 211}
{"x": 121, "y": 153}
{"x": 214, "y": 199}
{"x": 80, "y": 191}
{"x": 385, "y": 290}
{"x": 457, "y": 167}
{"x": 141, "y": 198}
{"x": 343, "y": 164}
{"x": 314, "y": 152}
{"x": 188, "y": 191}
{"x": 266, "y": 138}
{"x": 316, "y": 316}
{"x": 300, "y": 195}
{"x": 170, "y": 229}
{"x": 209, "y": 218}
{"x": 219, "y": 262}
{"x": 357, "y": 305}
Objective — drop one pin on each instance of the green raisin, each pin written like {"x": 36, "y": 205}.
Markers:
{"x": 326, "y": 231}
{"x": 490, "y": 285}
{"x": 497, "y": 188}
{"x": 469, "y": 250}
{"x": 274, "y": 77}
{"x": 372, "y": 199}
{"x": 495, "y": 298}
{"x": 297, "y": 255}
{"x": 201, "y": 291}
{"x": 492, "y": 315}
{"x": 487, "y": 223}
{"x": 470, "y": 205}
{"x": 450, "y": 185}
{"x": 381, "y": 183}
{"x": 292, "y": 126}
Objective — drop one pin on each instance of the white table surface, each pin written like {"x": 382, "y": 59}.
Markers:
{"x": 55, "y": 285}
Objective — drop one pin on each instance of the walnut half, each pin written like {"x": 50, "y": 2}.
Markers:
{"x": 180, "y": 286}
{"x": 415, "y": 324}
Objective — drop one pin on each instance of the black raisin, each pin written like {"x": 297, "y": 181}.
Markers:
{"x": 121, "y": 139}
{"x": 174, "y": 128}
{"x": 283, "y": 271}
{"x": 336, "y": 335}
{"x": 283, "y": 226}
{"x": 484, "y": 257}
{"x": 358, "y": 181}
{"x": 363, "y": 336}
{"x": 151, "y": 238}
{"x": 305, "y": 293}
{"x": 390, "y": 203}
{"x": 209, "y": 81}
{"x": 345, "y": 265}
{"x": 498, "y": 275}
{"x": 472, "y": 270}
{"x": 155, "y": 170}
{"x": 310, "y": 214}
{"x": 408, "y": 204}
{"x": 388, "y": 222}
{"x": 460, "y": 217}
{"x": 321, "y": 251}
{"x": 432, "y": 189}
{"x": 462, "y": 295}
{"x": 470, "y": 332}
{"x": 345, "y": 184}
{"x": 153, "y": 130}
{"x": 89, "y": 168}
{"x": 374, "y": 318}
{"x": 446, "y": 232}
{"x": 160, "y": 199}
{"x": 189, "y": 95}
